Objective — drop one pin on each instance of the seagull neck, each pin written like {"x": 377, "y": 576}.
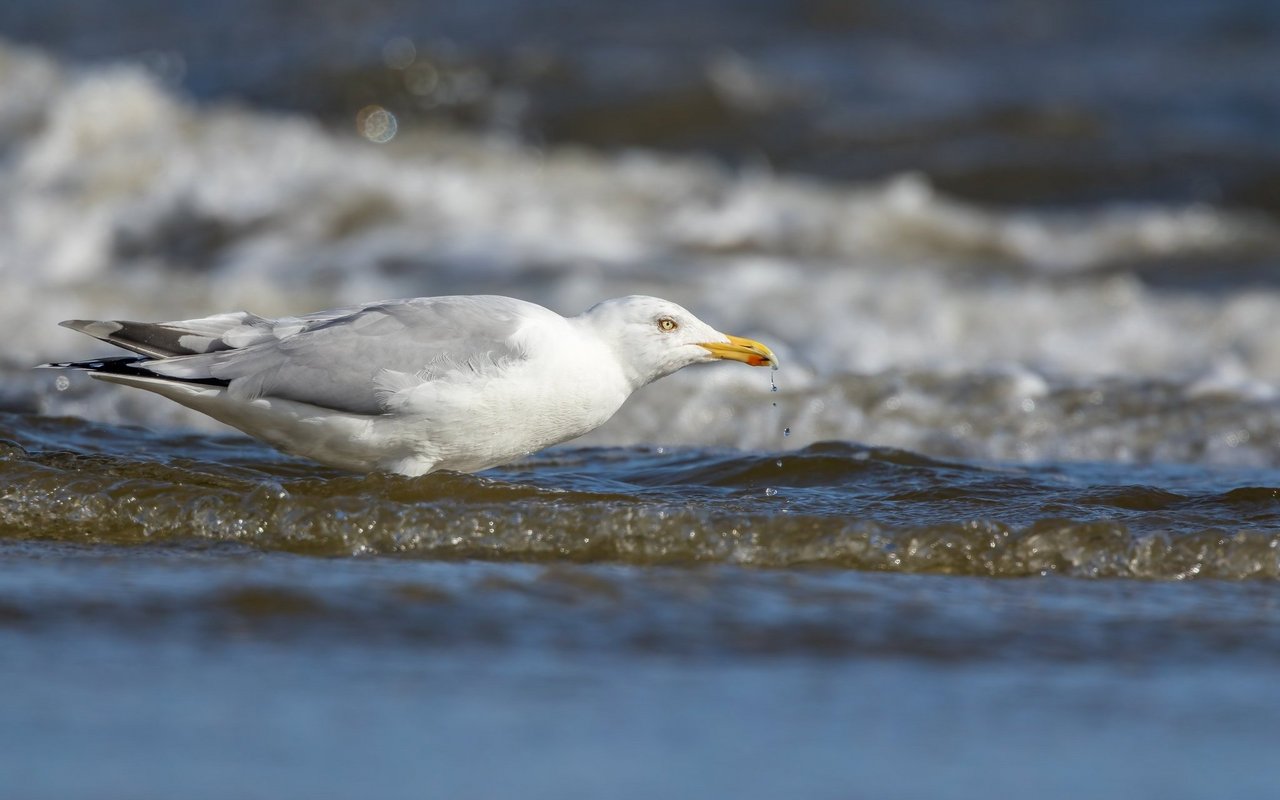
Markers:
{"x": 616, "y": 363}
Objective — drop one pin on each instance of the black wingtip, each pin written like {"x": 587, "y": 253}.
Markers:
{"x": 126, "y": 365}
{"x": 95, "y": 364}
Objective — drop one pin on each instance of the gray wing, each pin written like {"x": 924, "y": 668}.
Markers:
{"x": 336, "y": 359}
{"x": 179, "y": 338}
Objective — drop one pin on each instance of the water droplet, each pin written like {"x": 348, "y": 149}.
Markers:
{"x": 786, "y": 431}
{"x": 773, "y": 387}
{"x": 770, "y": 492}
{"x": 62, "y": 384}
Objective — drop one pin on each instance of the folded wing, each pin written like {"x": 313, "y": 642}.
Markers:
{"x": 341, "y": 359}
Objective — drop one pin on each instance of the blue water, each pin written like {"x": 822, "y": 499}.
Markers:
{"x": 129, "y": 674}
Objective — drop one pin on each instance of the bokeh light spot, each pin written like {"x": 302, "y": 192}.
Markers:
{"x": 399, "y": 52}
{"x": 376, "y": 124}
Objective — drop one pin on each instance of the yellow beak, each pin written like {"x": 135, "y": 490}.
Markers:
{"x": 748, "y": 351}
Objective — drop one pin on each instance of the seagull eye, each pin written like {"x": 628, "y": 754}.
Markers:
{"x": 667, "y": 324}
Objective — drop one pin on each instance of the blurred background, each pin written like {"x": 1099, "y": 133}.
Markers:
{"x": 981, "y": 229}
{"x": 1014, "y": 102}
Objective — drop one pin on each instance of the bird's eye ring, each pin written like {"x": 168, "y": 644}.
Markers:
{"x": 667, "y": 324}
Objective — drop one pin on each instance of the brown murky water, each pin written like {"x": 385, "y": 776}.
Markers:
{"x": 828, "y": 505}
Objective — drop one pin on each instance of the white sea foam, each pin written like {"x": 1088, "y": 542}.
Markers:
{"x": 903, "y": 316}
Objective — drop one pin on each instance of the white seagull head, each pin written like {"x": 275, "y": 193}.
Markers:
{"x": 655, "y": 337}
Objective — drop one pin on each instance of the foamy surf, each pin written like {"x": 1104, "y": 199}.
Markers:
{"x": 907, "y": 318}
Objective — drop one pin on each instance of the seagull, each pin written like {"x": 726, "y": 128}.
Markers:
{"x": 412, "y": 386}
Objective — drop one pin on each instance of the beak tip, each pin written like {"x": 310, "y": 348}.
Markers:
{"x": 748, "y": 351}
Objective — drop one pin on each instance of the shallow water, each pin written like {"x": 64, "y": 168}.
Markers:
{"x": 828, "y": 505}
{"x": 698, "y": 621}
{"x": 213, "y": 670}
{"x": 252, "y": 674}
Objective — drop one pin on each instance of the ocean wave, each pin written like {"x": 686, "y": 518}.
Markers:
{"x": 111, "y": 168}
{"x": 904, "y": 317}
{"x": 834, "y": 506}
